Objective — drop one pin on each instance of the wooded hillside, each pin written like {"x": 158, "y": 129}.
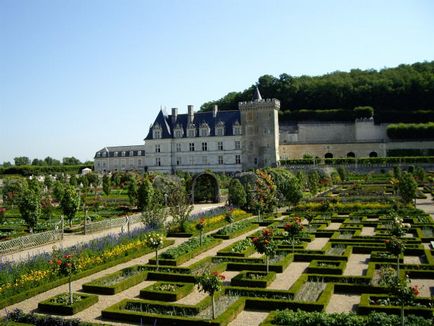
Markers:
{"x": 404, "y": 93}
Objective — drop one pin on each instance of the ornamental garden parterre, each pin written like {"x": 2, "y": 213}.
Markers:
{"x": 358, "y": 246}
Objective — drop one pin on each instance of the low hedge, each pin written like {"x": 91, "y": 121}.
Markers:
{"x": 366, "y": 307}
{"x": 47, "y": 306}
{"x": 227, "y": 251}
{"x": 261, "y": 267}
{"x": 239, "y": 228}
{"x": 189, "y": 253}
{"x": 304, "y": 318}
{"x": 181, "y": 290}
{"x": 244, "y": 279}
{"x": 326, "y": 267}
{"x": 97, "y": 286}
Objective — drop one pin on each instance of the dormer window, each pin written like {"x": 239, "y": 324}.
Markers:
{"x": 191, "y": 130}
{"x": 236, "y": 128}
{"x": 131, "y": 153}
{"x": 116, "y": 154}
{"x": 98, "y": 154}
{"x": 204, "y": 130}
{"x": 220, "y": 129}
{"x": 123, "y": 153}
{"x": 156, "y": 131}
{"x": 178, "y": 131}
{"x": 104, "y": 154}
{"x": 139, "y": 153}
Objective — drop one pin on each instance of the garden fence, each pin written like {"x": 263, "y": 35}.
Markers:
{"x": 32, "y": 240}
{"x": 122, "y": 222}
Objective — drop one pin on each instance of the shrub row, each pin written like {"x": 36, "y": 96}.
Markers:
{"x": 153, "y": 293}
{"x": 50, "y": 307}
{"x": 361, "y": 160}
{"x": 411, "y": 130}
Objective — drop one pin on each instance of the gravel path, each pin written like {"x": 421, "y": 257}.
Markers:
{"x": 333, "y": 226}
{"x": 357, "y": 264}
{"x": 286, "y": 279}
{"x": 249, "y": 318}
{"x": 317, "y": 243}
{"x": 343, "y": 303}
{"x": 368, "y": 231}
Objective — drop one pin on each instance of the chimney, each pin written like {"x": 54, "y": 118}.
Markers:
{"x": 190, "y": 113}
{"x": 214, "y": 111}
{"x": 174, "y": 115}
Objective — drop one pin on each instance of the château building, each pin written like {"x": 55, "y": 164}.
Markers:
{"x": 250, "y": 137}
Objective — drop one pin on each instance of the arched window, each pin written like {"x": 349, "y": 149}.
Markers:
{"x": 328, "y": 155}
{"x": 351, "y": 154}
{"x": 373, "y": 154}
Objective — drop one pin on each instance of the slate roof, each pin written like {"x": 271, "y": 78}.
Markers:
{"x": 112, "y": 149}
{"x": 165, "y": 121}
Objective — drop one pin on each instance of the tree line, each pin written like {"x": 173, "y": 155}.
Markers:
{"x": 401, "y": 94}
{"x": 48, "y": 161}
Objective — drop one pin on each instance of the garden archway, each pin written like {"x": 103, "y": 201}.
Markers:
{"x": 205, "y": 187}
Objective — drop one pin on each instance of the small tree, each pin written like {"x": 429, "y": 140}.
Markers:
{"x": 179, "y": 207}
{"x": 200, "y": 225}
{"x": 210, "y": 283}
{"x": 132, "y": 191}
{"x": 65, "y": 266}
{"x": 313, "y": 182}
{"x": 155, "y": 217}
{"x": 229, "y": 218}
{"x": 30, "y": 207}
{"x": 403, "y": 294}
{"x": 237, "y": 194}
{"x": 155, "y": 241}
{"x": 264, "y": 244}
{"x": 145, "y": 193}
{"x": 396, "y": 247}
{"x": 70, "y": 203}
{"x": 106, "y": 184}
{"x": 293, "y": 229}
{"x": 407, "y": 187}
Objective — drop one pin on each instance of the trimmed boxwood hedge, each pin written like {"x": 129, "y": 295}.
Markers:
{"x": 333, "y": 267}
{"x": 97, "y": 286}
{"x": 181, "y": 291}
{"x": 47, "y": 306}
{"x": 243, "y": 279}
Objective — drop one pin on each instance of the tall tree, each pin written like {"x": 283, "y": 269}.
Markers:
{"x": 407, "y": 187}
{"x": 21, "y": 160}
{"x": 132, "y": 190}
{"x": 237, "y": 194}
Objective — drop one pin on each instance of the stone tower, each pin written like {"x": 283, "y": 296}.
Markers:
{"x": 260, "y": 123}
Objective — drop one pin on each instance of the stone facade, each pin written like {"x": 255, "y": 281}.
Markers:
{"x": 120, "y": 158}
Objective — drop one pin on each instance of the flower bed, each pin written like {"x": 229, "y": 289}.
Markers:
{"x": 242, "y": 248}
{"x": 326, "y": 267}
{"x": 166, "y": 291}
{"x": 18, "y": 281}
{"x": 59, "y": 304}
{"x": 116, "y": 282}
{"x": 235, "y": 229}
{"x": 253, "y": 279}
{"x": 185, "y": 251}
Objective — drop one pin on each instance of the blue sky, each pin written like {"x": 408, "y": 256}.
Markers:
{"x": 78, "y": 75}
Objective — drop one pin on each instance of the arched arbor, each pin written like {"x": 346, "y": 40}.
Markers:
{"x": 204, "y": 188}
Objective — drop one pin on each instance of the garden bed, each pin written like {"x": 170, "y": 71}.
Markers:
{"x": 166, "y": 291}
{"x": 59, "y": 304}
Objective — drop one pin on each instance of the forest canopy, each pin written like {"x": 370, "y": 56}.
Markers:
{"x": 401, "y": 94}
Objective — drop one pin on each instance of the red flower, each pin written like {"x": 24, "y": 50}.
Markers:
{"x": 415, "y": 290}
{"x": 386, "y": 241}
{"x": 59, "y": 262}
{"x": 220, "y": 276}
{"x": 67, "y": 256}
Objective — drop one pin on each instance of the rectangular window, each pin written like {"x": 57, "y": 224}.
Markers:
{"x": 220, "y": 159}
{"x": 139, "y": 153}
{"x": 237, "y": 144}
{"x": 237, "y": 130}
{"x": 178, "y": 161}
{"x": 139, "y": 162}
{"x": 157, "y": 161}
{"x": 178, "y": 147}
{"x": 250, "y": 116}
{"x": 256, "y": 161}
{"x": 203, "y": 132}
{"x": 191, "y": 133}
{"x": 219, "y": 131}
{"x": 191, "y": 146}
{"x": 220, "y": 145}
{"x": 204, "y": 147}
{"x": 157, "y": 148}
{"x": 116, "y": 154}
{"x": 123, "y": 153}
{"x": 131, "y": 153}
{"x": 237, "y": 159}
{"x": 178, "y": 133}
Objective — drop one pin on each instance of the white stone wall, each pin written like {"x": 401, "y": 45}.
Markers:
{"x": 366, "y": 130}
{"x": 315, "y": 132}
{"x": 108, "y": 164}
{"x": 193, "y": 161}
